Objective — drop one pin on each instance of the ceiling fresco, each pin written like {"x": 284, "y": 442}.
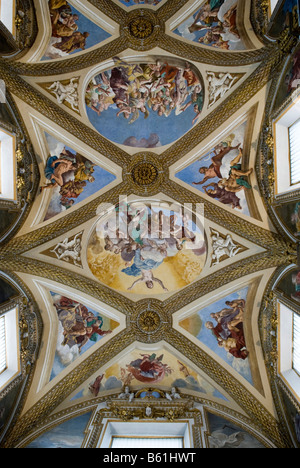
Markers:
{"x": 152, "y": 244}
{"x": 224, "y": 330}
{"x": 139, "y": 2}
{"x": 221, "y": 174}
{"x": 215, "y": 24}
{"x": 160, "y": 248}
{"x": 140, "y": 369}
{"x": 70, "y": 177}
{"x": 155, "y": 102}
{"x": 79, "y": 329}
{"x": 71, "y": 31}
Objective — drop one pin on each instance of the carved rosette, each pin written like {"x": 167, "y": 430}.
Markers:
{"x": 150, "y": 323}
{"x": 144, "y": 173}
{"x": 143, "y": 28}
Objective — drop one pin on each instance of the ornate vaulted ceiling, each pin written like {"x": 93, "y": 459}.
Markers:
{"x": 128, "y": 116}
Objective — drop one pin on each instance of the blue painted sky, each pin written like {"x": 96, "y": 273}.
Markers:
{"x": 191, "y": 173}
{"x": 96, "y": 34}
{"x": 118, "y": 129}
{"x": 102, "y": 179}
{"x": 70, "y": 434}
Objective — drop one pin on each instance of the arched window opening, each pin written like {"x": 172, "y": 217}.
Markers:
{"x": 286, "y": 149}
{"x": 7, "y": 14}
{"x": 7, "y": 167}
{"x": 9, "y": 347}
{"x": 294, "y": 143}
{"x": 289, "y": 348}
{"x": 296, "y": 343}
{"x": 3, "y": 361}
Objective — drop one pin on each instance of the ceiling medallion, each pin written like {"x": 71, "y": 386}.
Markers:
{"x": 149, "y": 321}
{"x": 141, "y": 28}
{"x": 144, "y": 173}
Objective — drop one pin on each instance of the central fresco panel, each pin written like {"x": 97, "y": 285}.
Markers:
{"x": 146, "y": 104}
{"x": 147, "y": 248}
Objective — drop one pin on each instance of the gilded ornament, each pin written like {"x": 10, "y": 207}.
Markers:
{"x": 19, "y": 19}
{"x": 149, "y": 321}
{"x": 270, "y": 141}
{"x": 19, "y": 155}
{"x": 265, "y": 5}
{"x": 144, "y": 173}
{"x": 141, "y": 28}
{"x": 150, "y": 409}
{"x": 20, "y": 183}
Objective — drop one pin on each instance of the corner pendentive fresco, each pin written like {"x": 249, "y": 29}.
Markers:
{"x": 151, "y": 104}
{"x": 70, "y": 177}
{"x": 221, "y": 173}
{"x": 147, "y": 248}
{"x": 79, "y": 329}
{"x": 285, "y": 16}
{"x": 286, "y": 19}
{"x": 214, "y": 25}
{"x": 71, "y": 31}
{"x": 221, "y": 327}
{"x": 290, "y": 82}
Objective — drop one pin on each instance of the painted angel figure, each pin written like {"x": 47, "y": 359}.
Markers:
{"x": 148, "y": 279}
